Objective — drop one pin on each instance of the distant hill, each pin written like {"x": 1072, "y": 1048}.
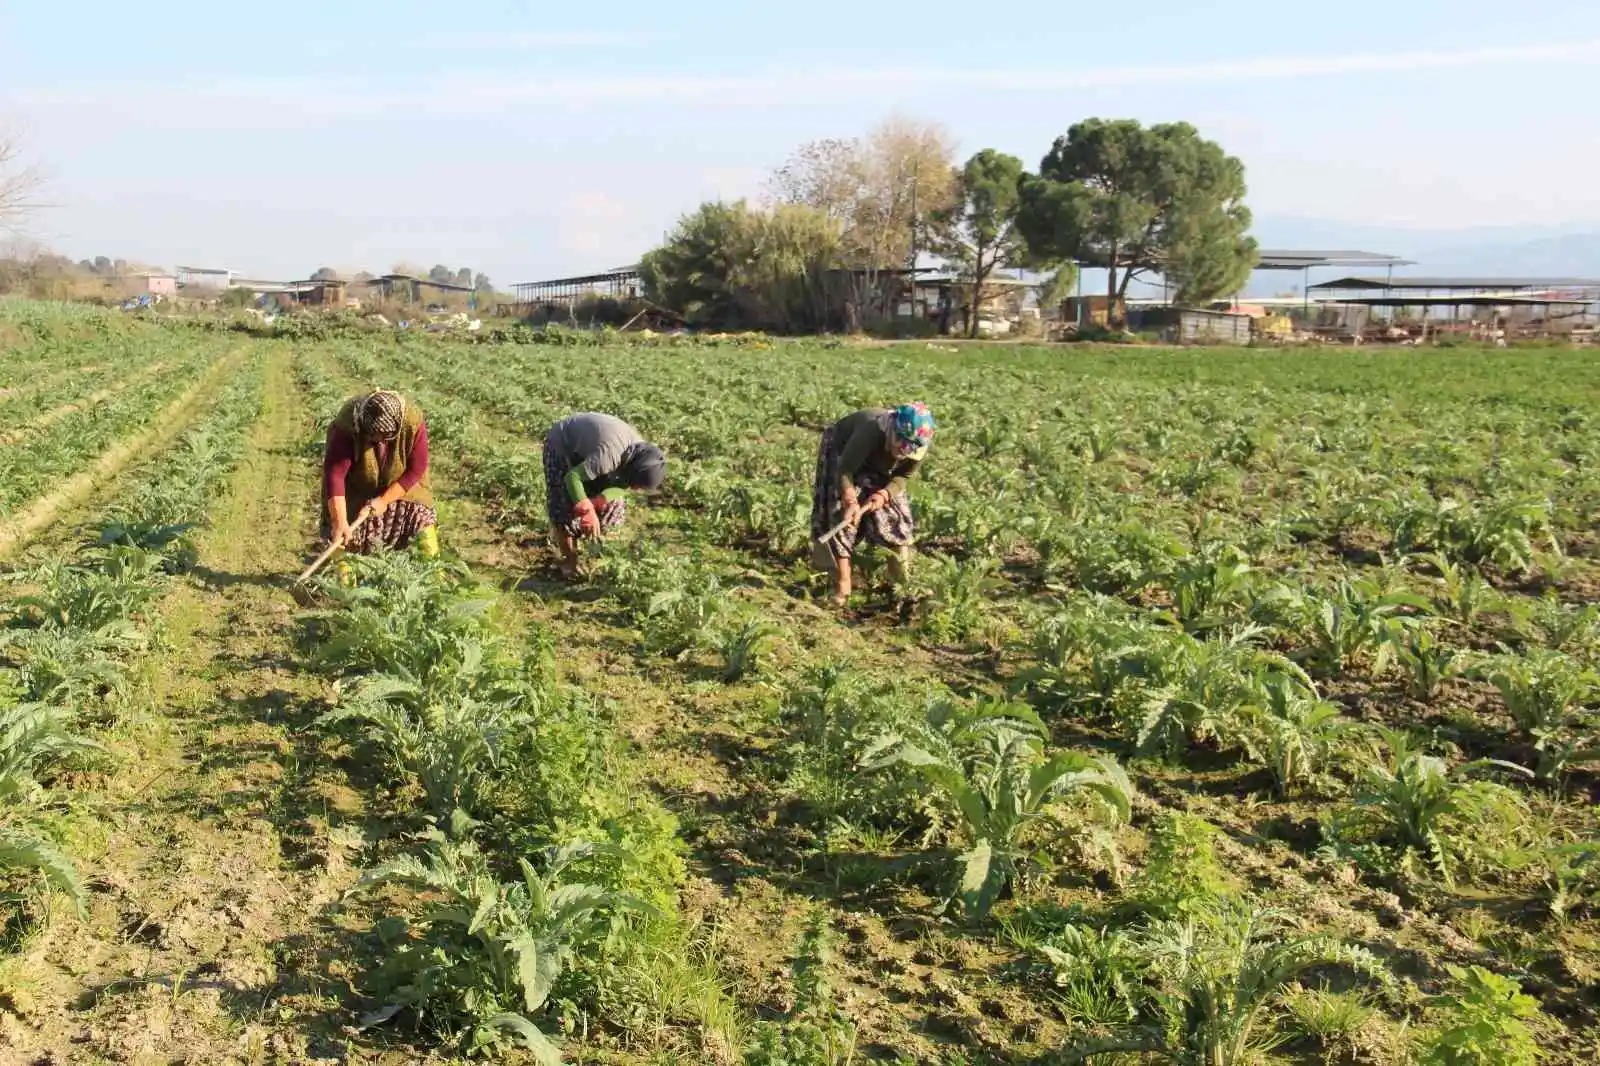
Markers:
{"x": 1547, "y": 251}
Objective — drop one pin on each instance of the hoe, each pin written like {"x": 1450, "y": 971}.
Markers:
{"x": 302, "y": 593}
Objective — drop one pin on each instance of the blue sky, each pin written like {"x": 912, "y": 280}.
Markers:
{"x": 528, "y": 143}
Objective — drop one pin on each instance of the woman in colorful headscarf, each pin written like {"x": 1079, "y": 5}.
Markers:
{"x": 862, "y": 468}
{"x": 376, "y": 461}
{"x": 590, "y": 459}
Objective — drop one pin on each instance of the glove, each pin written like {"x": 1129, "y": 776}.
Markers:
{"x": 588, "y": 520}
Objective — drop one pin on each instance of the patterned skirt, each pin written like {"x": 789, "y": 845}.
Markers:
{"x": 556, "y": 505}
{"x": 889, "y": 527}
{"x": 395, "y": 529}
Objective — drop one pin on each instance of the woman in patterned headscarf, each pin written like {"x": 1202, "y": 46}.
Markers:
{"x": 376, "y": 461}
{"x": 862, "y": 468}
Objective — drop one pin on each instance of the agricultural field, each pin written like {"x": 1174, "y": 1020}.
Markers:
{"x": 1242, "y": 707}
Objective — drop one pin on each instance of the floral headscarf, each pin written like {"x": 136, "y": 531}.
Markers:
{"x": 913, "y": 430}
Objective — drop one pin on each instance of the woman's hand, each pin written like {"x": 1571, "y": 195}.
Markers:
{"x": 852, "y": 508}
{"x": 877, "y": 501}
{"x": 588, "y": 519}
{"x": 340, "y": 529}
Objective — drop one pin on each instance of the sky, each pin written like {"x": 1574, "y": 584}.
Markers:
{"x": 529, "y": 143}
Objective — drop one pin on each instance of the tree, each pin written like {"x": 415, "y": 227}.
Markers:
{"x": 325, "y": 274}
{"x": 734, "y": 265}
{"x": 881, "y": 189}
{"x": 482, "y": 283}
{"x": 464, "y": 277}
{"x": 694, "y": 272}
{"x": 102, "y": 264}
{"x": 977, "y": 232}
{"x": 1057, "y": 288}
{"x": 19, "y": 185}
{"x": 442, "y": 274}
{"x": 1132, "y": 200}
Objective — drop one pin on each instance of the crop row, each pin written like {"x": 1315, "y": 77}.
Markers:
{"x": 43, "y": 338}
{"x": 31, "y": 466}
{"x": 548, "y": 875}
{"x": 70, "y": 640}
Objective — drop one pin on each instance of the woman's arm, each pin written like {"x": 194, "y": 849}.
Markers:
{"x": 416, "y": 462}
{"x": 574, "y": 483}
{"x": 902, "y": 473}
{"x": 337, "y": 456}
{"x": 856, "y": 452}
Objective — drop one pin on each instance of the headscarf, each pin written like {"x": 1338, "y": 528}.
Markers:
{"x": 913, "y": 430}
{"x": 643, "y": 467}
{"x": 380, "y": 414}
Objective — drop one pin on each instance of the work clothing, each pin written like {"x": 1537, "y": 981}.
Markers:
{"x": 595, "y": 457}
{"x": 376, "y": 441}
{"x": 855, "y": 459}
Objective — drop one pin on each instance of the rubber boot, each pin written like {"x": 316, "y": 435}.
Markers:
{"x": 428, "y": 542}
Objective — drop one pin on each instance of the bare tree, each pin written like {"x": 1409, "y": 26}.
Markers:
{"x": 882, "y": 188}
{"x": 19, "y": 185}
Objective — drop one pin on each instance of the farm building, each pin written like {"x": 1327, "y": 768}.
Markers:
{"x": 157, "y": 284}
{"x": 1190, "y": 325}
{"x": 1479, "y": 307}
{"x": 409, "y": 289}
{"x": 322, "y": 292}
{"x": 203, "y": 278}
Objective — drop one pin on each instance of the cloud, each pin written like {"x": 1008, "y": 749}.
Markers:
{"x": 592, "y": 222}
{"x": 732, "y": 183}
{"x": 450, "y": 94}
{"x": 535, "y": 40}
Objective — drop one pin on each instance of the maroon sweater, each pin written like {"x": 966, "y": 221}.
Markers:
{"x": 340, "y": 453}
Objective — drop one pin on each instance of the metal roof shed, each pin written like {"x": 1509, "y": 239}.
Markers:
{"x": 1470, "y": 284}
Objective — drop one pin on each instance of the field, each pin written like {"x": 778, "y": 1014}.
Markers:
{"x": 1242, "y": 707}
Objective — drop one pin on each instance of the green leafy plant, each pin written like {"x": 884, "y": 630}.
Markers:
{"x": 24, "y": 851}
{"x": 485, "y": 954}
{"x": 448, "y": 743}
{"x": 1181, "y": 870}
{"x": 1350, "y": 619}
{"x": 109, "y": 588}
{"x": 1414, "y": 804}
{"x": 1483, "y": 1020}
{"x": 817, "y": 1031}
{"x": 1548, "y": 695}
{"x": 835, "y": 713}
{"x": 955, "y": 597}
{"x": 1216, "y": 975}
{"x": 1077, "y": 655}
{"x": 1192, "y": 691}
{"x": 1463, "y": 592}
{"x": 988, "y": 762}
{"x": 1291, "y": 731}
{"x": 1428, "y": 663}
{"x": 1097, "y": 975}
{"x": 744, "y": 648}
{"x": 1330, "y": 1018}
{"x": 1207, "y": 586}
